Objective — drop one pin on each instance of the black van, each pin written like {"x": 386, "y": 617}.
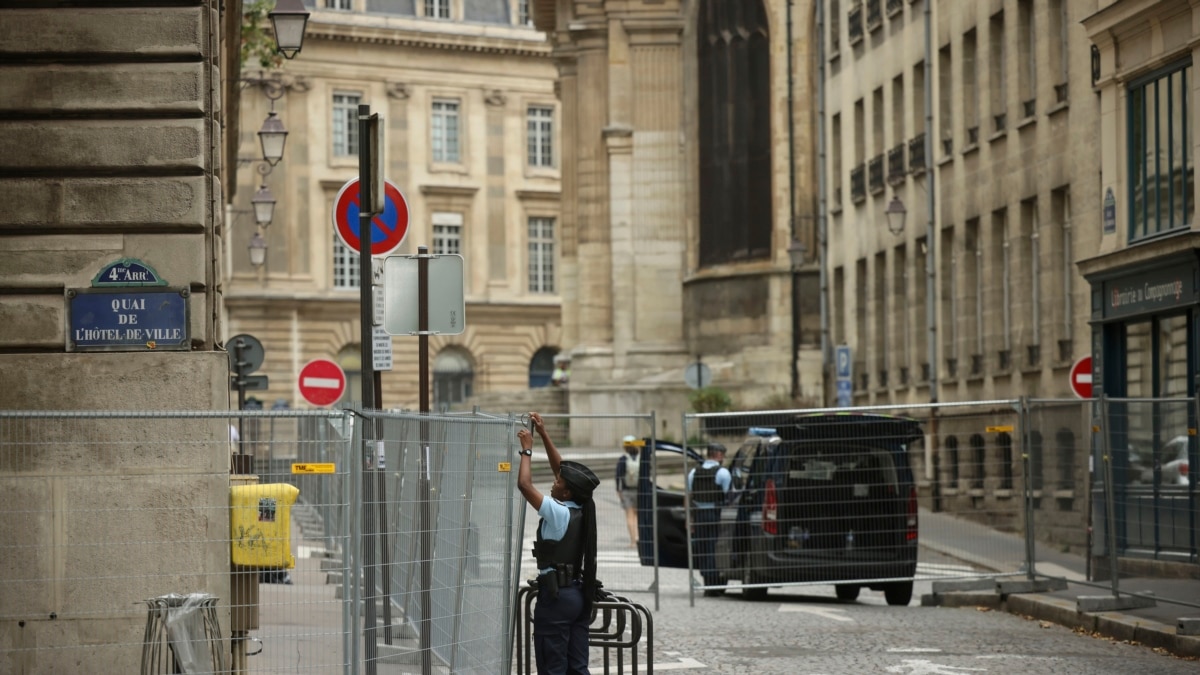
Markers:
{"x": 830, "y": 498}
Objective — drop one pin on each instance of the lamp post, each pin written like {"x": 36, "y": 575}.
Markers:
{"x": 797, "y": 251}
{"x": 288, "y": 21}
{"x": 272, "y": 136}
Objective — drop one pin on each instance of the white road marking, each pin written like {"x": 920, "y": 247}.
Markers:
{"x": 923, "y": 667}
{"x": 831, "y": 613}
{"x": 914, "y": 650}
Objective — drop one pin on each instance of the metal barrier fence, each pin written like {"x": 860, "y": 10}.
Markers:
{"x": 865, "y": 497}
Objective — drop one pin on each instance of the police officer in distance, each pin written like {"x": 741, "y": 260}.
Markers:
{"x": 708, "y": 490}
{"x": 565, "y": 549}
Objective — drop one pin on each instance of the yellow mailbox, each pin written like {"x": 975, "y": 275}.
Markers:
{"x": 260, "y": 518}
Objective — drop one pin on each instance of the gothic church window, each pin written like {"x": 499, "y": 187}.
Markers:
{"x": 735, "y": 131}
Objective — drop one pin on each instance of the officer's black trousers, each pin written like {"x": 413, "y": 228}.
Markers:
{"x": 560, "y": 632}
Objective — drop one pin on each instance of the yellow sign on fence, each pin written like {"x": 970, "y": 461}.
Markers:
{"x": 314, "y": 468}
{"x": 1001, "y": 429}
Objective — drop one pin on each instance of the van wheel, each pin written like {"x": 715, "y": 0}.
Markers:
{"x": 899, "y": 593}
{"x": 847, "y": 592}
{"x": 760, "y": 593}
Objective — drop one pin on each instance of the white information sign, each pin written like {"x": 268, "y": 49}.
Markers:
{"x": 381, "y": 349}
{"x": 447, "y": 310}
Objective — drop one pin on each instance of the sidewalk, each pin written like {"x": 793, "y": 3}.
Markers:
{"x": 1004, "y": 553}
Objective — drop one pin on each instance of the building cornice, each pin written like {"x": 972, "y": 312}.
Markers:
{"x": 397, "y": 32}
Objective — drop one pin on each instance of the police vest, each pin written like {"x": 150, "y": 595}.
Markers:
{"x": 704, "y": 485}
{"x": 565, "y": 551}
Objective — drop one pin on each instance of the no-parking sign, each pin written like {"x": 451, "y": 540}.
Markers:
{"x": 388, "y": 229}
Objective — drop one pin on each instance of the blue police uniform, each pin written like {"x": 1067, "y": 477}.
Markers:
{"x": 560, "y": 619}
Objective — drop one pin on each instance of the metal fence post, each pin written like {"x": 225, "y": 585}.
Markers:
{"x": 654, "y": 509}
{"x": 687, "y": 515}
{"x": 1110, "y": 506}
{"x": 353, "y": 576}
{"x": 1024, "y": 418}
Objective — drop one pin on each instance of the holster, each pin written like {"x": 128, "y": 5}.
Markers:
{"x": 550, "y": 582}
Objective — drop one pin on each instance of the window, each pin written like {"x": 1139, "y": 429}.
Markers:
{"x": 447, "y": 233}
{"x": 541, "y": 367}
{"x": 345, "y": 124}
{"x": 540, "y": 123}
{"x": 1059, "y": 53}
{"x": 970, "y": 86}
{"x": 1161, "y": 170}
{"x": 345, "y": 265}
{"x": 445, "y": 131}
{"x": 453, "y": 378}
{"x": 735, "y": 108}
{"x": 338, "y": 4}
{"x": 437, "y": 9}
{"x": 541, "y": 255}
{"x": 524, "y": 16}
{"x": 998, "y": 71}
{"x": 1027, "y": 53}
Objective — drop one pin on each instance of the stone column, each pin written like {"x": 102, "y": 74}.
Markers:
{"x": 566, "y": 90}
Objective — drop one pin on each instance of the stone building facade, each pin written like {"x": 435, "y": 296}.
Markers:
{"x": 472, "y": 141}
{"x": 111, "y": 128}
{"x": 688, "y": 171}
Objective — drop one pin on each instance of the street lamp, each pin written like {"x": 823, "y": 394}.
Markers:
{"x": 896, "y": 214}
{"x": 258, "y": 250}
{"x": 272, "y": 136}
{"x": 264, "y": 205}
{"x": 288, "y": 20}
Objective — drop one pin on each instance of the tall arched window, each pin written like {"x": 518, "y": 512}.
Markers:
{"x": 735, "y": 131}
{"x": 453, "y": 378}
{"x": 541, "y": 367}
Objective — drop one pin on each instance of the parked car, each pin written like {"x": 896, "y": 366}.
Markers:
{"x": 1174, "y": 463}
{"x": 832, "y": 499}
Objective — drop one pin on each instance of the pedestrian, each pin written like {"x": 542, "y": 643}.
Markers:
{"x": 708, "y": 488}
{"x": 627, "y": 484}
{"x": 565, "y": 550}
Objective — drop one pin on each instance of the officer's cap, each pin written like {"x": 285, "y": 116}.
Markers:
{"x": 579, "y": 479}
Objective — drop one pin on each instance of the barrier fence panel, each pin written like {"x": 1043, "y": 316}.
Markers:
{"x": 859, "y": 498}
{"x": 1058, "y": 446}
{"x": 108, "y": 515}
{"x": 1146, "y": 499}
{"x": 444, "y": 543}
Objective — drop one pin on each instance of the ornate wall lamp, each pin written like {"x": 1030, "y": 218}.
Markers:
{"x": 896, "y": 215}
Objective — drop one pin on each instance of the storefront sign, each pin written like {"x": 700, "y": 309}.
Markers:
{"x": 1150, "y": 291}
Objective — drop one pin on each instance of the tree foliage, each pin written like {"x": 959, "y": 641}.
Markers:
{"x": 710, "y": 399}
{"x": 258, "y": 44}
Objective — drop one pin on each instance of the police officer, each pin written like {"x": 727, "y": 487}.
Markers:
{"x": 565, "y": 550}
{"x": 708, "y": 489}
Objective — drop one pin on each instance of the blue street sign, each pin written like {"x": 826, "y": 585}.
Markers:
{"x": 146, "y": 319}
{"x": 843, "y": 362}
{"x": 845, "y": 391}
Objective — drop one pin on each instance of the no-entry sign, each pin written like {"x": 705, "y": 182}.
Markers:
{"x": 388, "y": 229}
{"x": 322, "y": 382}
{"x": 1081, "y": 377}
